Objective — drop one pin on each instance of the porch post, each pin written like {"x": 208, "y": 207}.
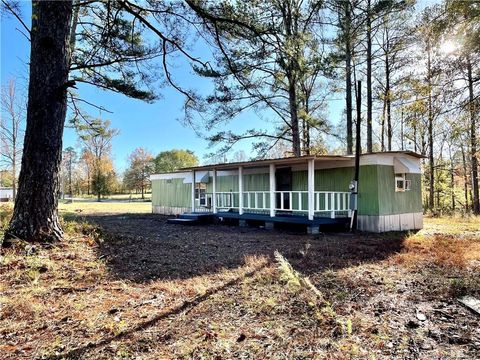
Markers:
{"x": 240, "y": 190}
{"x": 311, "y": 188}
{"x": 193, "y": 191}
{"x": 272, "y": 190}
{"x": 214, "y": 191}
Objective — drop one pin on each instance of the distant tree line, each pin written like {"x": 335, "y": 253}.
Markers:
{"x": 85, "y": 172}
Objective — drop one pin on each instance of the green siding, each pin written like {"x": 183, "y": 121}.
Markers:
{"x": 251, "y": 182}
{"x": 171, "y": 193}
{"x": 368, "y": 198}
{"x": 224, "y": 183}
{"x": 338, "y": 180}
{"x": 256, "y": 182}
{"x": 377, "y": 194}
{"x": 325, "y": 180}
{"x": 393, "y": 202}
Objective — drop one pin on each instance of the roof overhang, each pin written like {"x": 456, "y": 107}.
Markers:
{"x": 267, "y": 162}
{"x": 408, "y": 164}
{"x": 403, "y": 165}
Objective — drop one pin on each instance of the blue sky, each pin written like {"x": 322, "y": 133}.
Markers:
{"x": 152, "y": 126}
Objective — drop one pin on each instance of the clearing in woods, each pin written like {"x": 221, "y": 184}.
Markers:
{"x": 133, "y": 286}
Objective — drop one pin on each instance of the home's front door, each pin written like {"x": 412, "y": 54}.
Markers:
{"x": 283, "y": 178}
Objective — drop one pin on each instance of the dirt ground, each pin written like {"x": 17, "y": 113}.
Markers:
{"x": 143, "y": 289}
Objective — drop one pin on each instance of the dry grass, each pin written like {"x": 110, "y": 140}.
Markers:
{"x": 107, "y": 295}
{"x": 104, "y": 207}
{"x": 440, "y": 249}
{"x": 457, "y": 225}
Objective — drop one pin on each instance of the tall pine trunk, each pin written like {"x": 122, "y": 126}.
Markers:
{"x": 384, "y": 111}
{"x": 292, "y": 98}
{"x": 388, "y": 103}
{"x": 465, "y": 178}
{"x": 369, "y": 79}
{"x": 431, "y": 188}
{"x": 348, "y": 77}
{"x": 452, "y": 182}
{"x": 473, "y": 140}
{"x": 35, "y": 215}
{"x": 14, "y": 169}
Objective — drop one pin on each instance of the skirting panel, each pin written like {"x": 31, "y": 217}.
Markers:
{"x": 175, "y": 210}
{"x": 397, "y": 222}
{"x": 169, "y": 210}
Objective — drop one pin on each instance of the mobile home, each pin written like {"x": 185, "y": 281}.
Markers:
{"x": 312, "y": 190}
{"x": 6, "y": 194}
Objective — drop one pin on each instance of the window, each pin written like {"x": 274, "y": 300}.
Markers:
{"x": 408, "y": 184}
{"x": 401, "y": 184}
{"x": 200, "y": 190}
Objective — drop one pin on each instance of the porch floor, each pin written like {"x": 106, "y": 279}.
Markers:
{"x": 206, "y": 217}
{"x": 283, "y": 218}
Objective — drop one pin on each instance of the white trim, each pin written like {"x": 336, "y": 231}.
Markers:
{"x": 169, "y": 176}
{"x": 214, "y": 189}
{"x": 407, "y": 166}
{"x": 272, "y": 189}
{"x": 193, "y": 190}
{"x": 240, "y": 190}
{"x": 311, "y": 188}
{"x": 414, "y": 166}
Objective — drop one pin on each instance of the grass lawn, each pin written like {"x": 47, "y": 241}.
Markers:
{"x": 125, "y": 286}
{"x": 104, "y": 207}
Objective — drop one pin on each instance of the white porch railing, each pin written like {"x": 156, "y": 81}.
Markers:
{"x": 256, "y": 200}
{"x": 291, "y": 200}
{"x": 331, "y": 202}
{"x": 227, "y": 199}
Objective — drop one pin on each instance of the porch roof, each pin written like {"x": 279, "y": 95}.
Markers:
{"x": 267, "y": 162}
{"x": 291, "y": 161}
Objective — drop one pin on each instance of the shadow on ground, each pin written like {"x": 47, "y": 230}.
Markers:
{"x": 141, "y": 248}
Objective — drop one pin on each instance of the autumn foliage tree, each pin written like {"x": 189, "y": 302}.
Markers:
{"x": 141, "y": 166}
{"x": 97, "y": 142}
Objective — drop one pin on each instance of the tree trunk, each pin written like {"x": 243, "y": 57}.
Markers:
{"x": 402, "y": 145}
{"x": 465, "y": 178}
{"x": 473, "y": 140}
{"x": 452, "y": 182}
{"x": 415, "y": 137}
{"x": 348, "y": 78}
{"x": 306, "y": 125}
{"x": 369, "y": 79}
{"x": 14, "y": 170}
{"x": 384, "y": 111}
{"x": 388, "y": 102}
{"x": 292, "y": 98}
{"x": 88, "y": 182}
{"x": 431, "y": 204}
{"x": 35, "y": 215}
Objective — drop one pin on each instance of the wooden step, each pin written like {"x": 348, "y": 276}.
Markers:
{"x": 188, "y": 216}
{"x": 182, "y": 221}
